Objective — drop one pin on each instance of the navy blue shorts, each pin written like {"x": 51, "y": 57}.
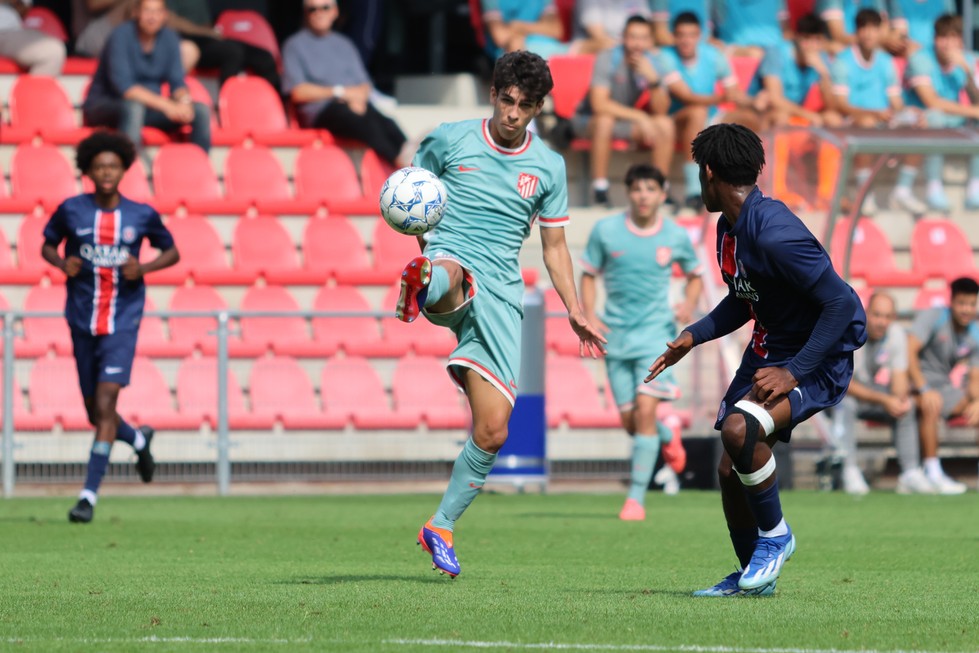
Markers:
{"x": 103, "y": 359}
{"x": 825, "y": 387}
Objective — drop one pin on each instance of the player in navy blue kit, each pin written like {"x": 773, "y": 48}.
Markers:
{"x": 102, "y": 232}
{"x": 807, "y": 323}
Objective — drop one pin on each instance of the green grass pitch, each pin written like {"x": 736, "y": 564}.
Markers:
{"x": 555, "y": 572}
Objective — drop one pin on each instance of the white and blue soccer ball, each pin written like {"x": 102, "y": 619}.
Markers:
{"x": 413, "y": 201}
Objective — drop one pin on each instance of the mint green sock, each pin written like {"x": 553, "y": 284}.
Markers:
{"x": 691, "y": 179}
{"x": 438, "y": 285}
{"x": 933, "y": 167}
{"x": 906, "y": 176}
{"x": 645, "y": 449}
{"x": 468, "y": 475}
{"x": 664, "y": 431}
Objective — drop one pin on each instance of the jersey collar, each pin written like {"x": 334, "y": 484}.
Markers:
{"x": 505, "y": 150}
{"x": 639, "y": 231}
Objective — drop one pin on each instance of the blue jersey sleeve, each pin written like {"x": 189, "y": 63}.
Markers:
{"x": 839, "y": 303}
{"x": 157, "y": 233}
{"x": 729, "y": 315}
{"x": 432, "y": 152}
{"x": 593, "y": 258}
{"x": 56, "y": 230}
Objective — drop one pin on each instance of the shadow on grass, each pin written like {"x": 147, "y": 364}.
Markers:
{"x": 606, "y": 516}
{"x": 360, "y": 578}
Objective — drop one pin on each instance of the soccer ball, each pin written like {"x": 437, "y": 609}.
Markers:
{"x": 413, "y": 201}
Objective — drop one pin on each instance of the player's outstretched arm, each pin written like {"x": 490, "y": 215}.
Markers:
{"x": 675, "y": 350}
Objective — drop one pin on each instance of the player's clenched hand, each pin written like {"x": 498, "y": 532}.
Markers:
{"x": 772, "y": 383}
{"x": 73, "y": 265}
{"x": 897, "y": 406}
{"x": 131, "y": 269}
{"x": 592, "y": 341}
{"x": 674, "y": 352}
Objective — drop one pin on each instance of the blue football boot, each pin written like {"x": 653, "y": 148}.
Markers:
{"x": 767, "y": 560}
{"x": 438, "y": 542}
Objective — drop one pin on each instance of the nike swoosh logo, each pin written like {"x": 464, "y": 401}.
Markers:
{"x": 465, "y": 169}
{"x": 618, "y": 254}
{"x": 513, "y": 385}
{"x": 475, "y": 487}
{"x": 83, "y": 232}
{"x": 113, "y": 370}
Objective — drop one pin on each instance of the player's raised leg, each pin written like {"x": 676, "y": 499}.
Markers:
{"x": 429, "y": 284}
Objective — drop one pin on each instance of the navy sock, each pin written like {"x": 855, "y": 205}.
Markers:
{"x": 744, "y": 540}
{"x": 126, "y": 433}
{"x": 766, "y": 507}
{"x": 98, "y": 462}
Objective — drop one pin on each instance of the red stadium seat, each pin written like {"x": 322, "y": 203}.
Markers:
{"x": 332, "y": 247}
{"x": 326, "y": 175}
{"x": 287, "y": 336}
{"x": 373, "y": 172}
{"x": 558, "y": 335}
{"x": 939, "y": 249}
{"x": 249, "y": 106}
{"x": 183, "y": 176}
{"x": 573, "y": 396}
{"x": 202, "y": 255}
{"x": 44, "y": 334}
{"x": 282, "y": 391}
{"x": 197, "y": 395}
{"x": 572, "y": 79}
{"x": 872, "y": 258}
{"x": 420, "y": 336}
{"x": 147, "y": 400}
{"x": 421, "y": 386}
{"x": 356, "y": 336}
{"x": 262, "y": 247}
{"x": 44, "y": 20}
{"x": 195, "y": 332}
{"x": 254, "y": 174}
{"x": 9, "y": 272}
{"x": 39, "y": 107}
{"x": 249, "y": 27}
{"x": 927, "y": 298}
{"x": 54, "y": 393}
{"x": 23, "y": 419}
{"x": 31, "y": 268}
{"x": 351, "y": 388}
{"x": 744, "y": 68}
{"x": 42, "y": 175}
{"x": 798, "y": 9}
{"x": 152, "y": 340}
{"x": 133, "y": 185}
{"x": 391, "y": 250}
{"x": 10, "y": 204}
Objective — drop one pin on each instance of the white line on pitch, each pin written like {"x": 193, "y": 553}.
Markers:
{"x": 153, "y": 639}
{"x": 687, "y": 648}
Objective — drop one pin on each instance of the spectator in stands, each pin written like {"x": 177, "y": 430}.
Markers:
{"x": 39, "y": 53}
{"x": 532, "y": 25}
{"x": 635, "y": 252}
{"x": 936, "y": 79}
{"x": 867, "y": 92}
{"x": 943, "y": 349}
{"x": 192, "y": 20}
{"x": 750, "y": 28}
{"x": 93, "y": 20}
{"x": 602, "y": 22}
{"x": 913, "y": 21}
{"x": 139, "y": 56}
{"x": 789, "y": 72}
{"x": 841, "y": 19}
{"x": 622, "y": 75}
{"x": 666, "y": 11}
{"x": 880, "y": 391}
{"x": 324, "y": 76}
{"x": 700, "y": 67}
{"x": 102, "y": 233}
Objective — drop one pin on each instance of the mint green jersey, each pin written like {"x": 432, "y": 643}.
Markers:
{"x": 636, "y": 265}
{"x": 495, "y": 196}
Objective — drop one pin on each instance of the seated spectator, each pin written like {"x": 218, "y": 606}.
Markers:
{"x": 789, "y": 71}
{"x": 325, "y": 77}
{"x": 913, "y": 21}
{"x": 139, "y": 56}
{"x": 867, "y": 93}
{"x": 841, "y": 19}
{"x": 602, "y": 22}
{"x": 532, "y": 25}
{"x": 93, "y": 20}
{"x": 880, "y": 391}
{"x": 700, "y": 67}
{"x": 749, "y": 28}
{"x": 943, "y": 349}
{"x": 192, "y": 20}
{"x": 936, "y": 78}
{"x": 35, "y": 51}
{"x": 666, "y": 11}
{"x": 622, "y": 74}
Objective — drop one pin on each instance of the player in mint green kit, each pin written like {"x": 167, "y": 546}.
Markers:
{"x": 635, "y": 252}
{"x": 501, "y": 179}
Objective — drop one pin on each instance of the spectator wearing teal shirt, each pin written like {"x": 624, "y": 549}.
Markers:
{"x": 666, "y": 11}
{"x": 916, "y": 19}
{"x": 750, "y": 26}
{"x": 532, "y": 25}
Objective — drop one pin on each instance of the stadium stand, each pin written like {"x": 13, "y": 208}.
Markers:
{"x": 287, "y": 336}
{"x": 44, "y": 20}
{"x": 927, "y": 297}
{"x": 197, "y": 333}
{"x": 872, "y": 257}
{"x": 421, "y": 337}
{"x": 355, "y": 336}
{"x": 45, "y": 334}
{"x": 558, "y": 336}
{"x": 573, "y": 396}
{"x": 197, "y": 395}
{"x": 31, "y": 268}
{"x": 254, "y": 175}
{"x": 351, "y": 387}
{"x": 332, "y": 247}
{"x": 203, "y": 256}
{"x": 147, "y": 399}
{"x": 939, "y": 249}
{"x": 183, "y": 177}
{"x": 262, "y": 247}
{"x": 153, "y": 341}
{"x": 282, "y": 391}
{"x": 40, "y": 109}
{"x": 251, "y": 109}
{"x": 48, "y": 379}
{"x": 373, "y": 172}
{"x": 42, "y": 175}
{"x": 440, "y": 406}
{"x": 326, "y": 175}
{"x": 250, "y": 27}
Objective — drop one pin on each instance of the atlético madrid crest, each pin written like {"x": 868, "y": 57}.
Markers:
{"x": 527, "y": 185}
{"x": 663, "y": 255}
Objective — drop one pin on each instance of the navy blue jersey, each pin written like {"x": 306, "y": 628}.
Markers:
{"x": 100, "y": 301}
{"x": 772, "y": 262}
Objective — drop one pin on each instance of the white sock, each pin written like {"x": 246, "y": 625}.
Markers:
{"x": 89, "y": 496}
{"x": 139, "y": 442}
{"x": 600, "y": 183}
{"x": 901, "y": 191}
{"x": 933, "y": 468}
{"x": 973, "y": 187}
{"x": 935, "y": 187}
{"x": 780, "y": 529}
{"x": 862, "y": 175}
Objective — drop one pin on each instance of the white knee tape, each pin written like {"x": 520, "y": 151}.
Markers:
{"x": 759, "y": 476}
{"x": 760, "y": 414}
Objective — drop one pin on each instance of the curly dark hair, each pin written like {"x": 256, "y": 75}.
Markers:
{"x": 525, "y": 70}
{"x": 733, "y": 152}
{"x": 644, "y": 171}
{"x": 104, "y": 141}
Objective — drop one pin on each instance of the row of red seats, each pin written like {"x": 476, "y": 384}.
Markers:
{"x": 351, "y": 392}
{"x": 261, "y": 248}
{"x": 325, "y": 178}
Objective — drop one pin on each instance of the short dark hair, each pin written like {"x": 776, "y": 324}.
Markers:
{"x": 948, "y": 25}
{"x": 734, "y": 153}
{"x": 525, "y": 70}
{"x": 637, "y": 19}
{"x": 964, "y": 286}
{"x": 104, "y": 141}
{"x": 686, "y": 18}
{"x": 869, "y": 17}
{"x": 811, "y": 25}
{"x": 644, "y": 171}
